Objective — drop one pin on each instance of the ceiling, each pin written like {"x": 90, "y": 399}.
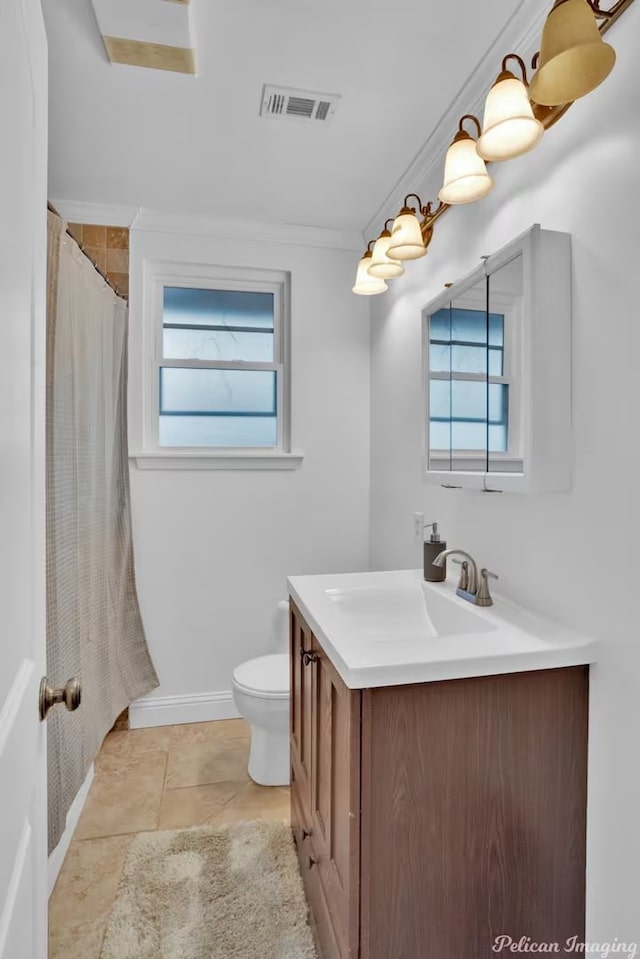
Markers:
{"x": 196, "y": 145}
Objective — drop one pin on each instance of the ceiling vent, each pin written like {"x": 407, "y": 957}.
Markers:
{"x": 292, "y": 104}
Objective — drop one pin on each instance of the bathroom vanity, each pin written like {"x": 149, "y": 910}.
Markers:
{"x": 438, "y": 768}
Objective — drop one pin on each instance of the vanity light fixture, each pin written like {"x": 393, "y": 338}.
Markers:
{"x": 574, "y": 59}
{"x": 509, "y": 128}
{"x": 407, "y": 240}
{"x": 382, "y": 265}
{"x": 465, "y": 174}
{"x": 366, "y": 285}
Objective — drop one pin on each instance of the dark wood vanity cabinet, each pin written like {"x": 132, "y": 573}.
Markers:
{"x": 325, "y": 791}
{"x": 430, "y": 819}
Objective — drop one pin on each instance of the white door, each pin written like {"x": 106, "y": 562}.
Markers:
{"x": 23, "y": 148}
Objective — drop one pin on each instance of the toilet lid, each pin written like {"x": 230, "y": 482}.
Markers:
{"x": 266, "y": 675}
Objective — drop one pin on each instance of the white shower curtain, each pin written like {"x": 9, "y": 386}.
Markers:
{"x": 94, "y": 628}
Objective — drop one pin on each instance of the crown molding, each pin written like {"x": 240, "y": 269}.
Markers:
{"x": 159, "y": 221}
{"x": 156, "y": 221}
{"x": 98, "y": 214}
{"x": 521, "y": 34}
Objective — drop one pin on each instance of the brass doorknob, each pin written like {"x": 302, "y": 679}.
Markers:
{"x": 70, "y": 694}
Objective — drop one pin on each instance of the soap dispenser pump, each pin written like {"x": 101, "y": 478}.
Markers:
{"x": 434, "y": 546}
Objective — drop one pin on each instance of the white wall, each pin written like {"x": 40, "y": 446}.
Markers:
{"x": 213, "y": 548}
{"x": 572, "y": 555}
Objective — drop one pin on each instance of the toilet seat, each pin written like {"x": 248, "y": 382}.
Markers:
{"x": 266, "y": 677}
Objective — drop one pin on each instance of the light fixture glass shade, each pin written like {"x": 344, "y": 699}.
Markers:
{"x": 382, "y": 265}
{"x": 366, "y": 285}
{"x": 406, "y": 237}
{"x": 509, "y": 128}
{"x": 465, "y": 175}
{"x": 574, "y": 59}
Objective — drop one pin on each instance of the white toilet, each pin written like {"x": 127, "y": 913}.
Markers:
{"x": 261, "y": 695}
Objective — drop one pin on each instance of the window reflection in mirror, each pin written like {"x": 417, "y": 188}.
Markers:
{"x": 497, "y": 371}
{"x": 440, "y": 389}
{"x": 504, "y": 426}
{"x": 463, "y": 344}
{"x": 474, "y": 371}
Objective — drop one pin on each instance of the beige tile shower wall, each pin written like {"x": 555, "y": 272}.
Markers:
{"x": 108, "y": 248}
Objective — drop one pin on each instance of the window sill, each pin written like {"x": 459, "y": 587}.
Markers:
{"x": 232, "y": 460}
{"x": 500, "y": 462}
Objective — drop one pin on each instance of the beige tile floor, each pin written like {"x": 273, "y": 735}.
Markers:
{"x": 169, "y": 777}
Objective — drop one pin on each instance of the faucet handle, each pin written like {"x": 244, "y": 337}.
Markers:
{"x": 463, "y": 582}
{"x": 483, "y": 596}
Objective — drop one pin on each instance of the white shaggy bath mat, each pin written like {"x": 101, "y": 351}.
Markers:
{"x": 228, "y": 893}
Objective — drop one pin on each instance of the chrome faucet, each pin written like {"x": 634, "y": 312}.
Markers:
{"x": 471, "y": 586}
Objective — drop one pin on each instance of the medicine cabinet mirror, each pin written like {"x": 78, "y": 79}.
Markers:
{"x": 497, "y": 371}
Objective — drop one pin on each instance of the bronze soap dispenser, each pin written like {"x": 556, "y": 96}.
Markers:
{"x": 434, "y": 574}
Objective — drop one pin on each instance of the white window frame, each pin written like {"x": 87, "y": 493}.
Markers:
{"x": 157, "y": 276}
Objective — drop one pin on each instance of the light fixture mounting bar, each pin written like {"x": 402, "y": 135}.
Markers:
{"x": 610, "y": 16}
{"x": 595, "y": 7}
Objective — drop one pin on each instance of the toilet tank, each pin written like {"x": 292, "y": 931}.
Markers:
{"x": 279, "y": 635}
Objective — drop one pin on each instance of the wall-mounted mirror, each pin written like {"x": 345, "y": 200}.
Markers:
{"x": 497, "y": 370}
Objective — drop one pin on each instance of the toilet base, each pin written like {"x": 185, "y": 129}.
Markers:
{"x": 269, "y": 757}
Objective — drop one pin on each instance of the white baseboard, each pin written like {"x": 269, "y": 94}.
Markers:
{"x": 175, "y": 710}
{"x": 57, "y": 856}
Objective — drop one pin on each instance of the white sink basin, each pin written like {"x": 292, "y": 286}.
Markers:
{"x": 390, "y": 628}
{"x": 402, "y": 611}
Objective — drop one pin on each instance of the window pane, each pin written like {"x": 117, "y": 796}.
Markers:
{"x": 498, "y": 439}
{"x": 496, "y": 329}
{"x": 458, "y": 408}
{"x": 469, "y": 400}
{"x": 440, "y": 399}
{"x": 468, "y": 436}
{"x": 458, "y": 412}
{"x": 440, "y": 414}
{"x": 439, "y": 436}
{"x": 218, "y": 325}
{"x": 439, "y": 358}
{"x": 185, "y": 344}
{"x": 440, "y": 325}
{"x": 451, "y": 332}
{"x": 227, "y": 408}
{"x": 222, "y": 431}
{"x": 470, "y": 326}
{"x": 498, "y": 402}
{"x": 206, "y": 307}
{"x": 473, "y": 359}
{"x": 232, "y": 393}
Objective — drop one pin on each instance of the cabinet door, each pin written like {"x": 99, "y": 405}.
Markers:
{"x": 301, "y": 710}
{"x": 335, "y": 791}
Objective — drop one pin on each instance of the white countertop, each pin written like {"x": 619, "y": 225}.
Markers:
{"x": 392, "y": 628}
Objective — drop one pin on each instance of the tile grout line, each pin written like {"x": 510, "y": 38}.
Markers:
{"x": 163, "y": 787}
{"x": 219, "y": 782}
